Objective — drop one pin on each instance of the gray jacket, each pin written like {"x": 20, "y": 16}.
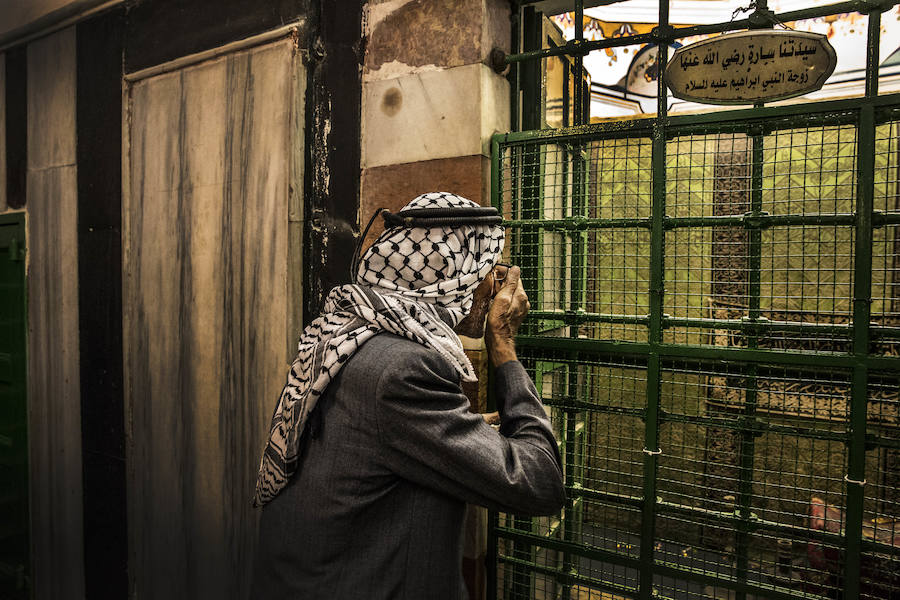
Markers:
{"x": 391, "y": 456}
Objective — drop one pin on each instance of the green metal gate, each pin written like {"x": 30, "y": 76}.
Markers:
{"x": 14, "y": 521}
{"x": 715, "y": 332}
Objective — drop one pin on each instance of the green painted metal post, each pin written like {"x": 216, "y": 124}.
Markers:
{"x": 747, "y": 447}
{"x": 493, "y": 517}
{"x": 657, "y": 275}
{"x": 578, "y": 59}
{"x": 862, "y": 299}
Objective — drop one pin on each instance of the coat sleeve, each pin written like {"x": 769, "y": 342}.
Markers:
{"x": 428, "y": 436}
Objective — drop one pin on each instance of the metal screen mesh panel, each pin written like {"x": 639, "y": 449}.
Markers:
{"x": 696, "y": 338}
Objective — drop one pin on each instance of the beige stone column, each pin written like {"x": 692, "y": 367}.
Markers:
{"x": 430, "y": 104}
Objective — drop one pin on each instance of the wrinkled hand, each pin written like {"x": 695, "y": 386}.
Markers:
{"x": 507, "y": 312}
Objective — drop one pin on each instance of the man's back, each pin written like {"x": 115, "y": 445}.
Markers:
{"x": 389, "y": 459}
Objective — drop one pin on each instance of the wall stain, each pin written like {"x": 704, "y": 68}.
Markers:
{"x": 392, "y": 101}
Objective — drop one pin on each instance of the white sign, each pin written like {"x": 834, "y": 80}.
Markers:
{"x": 751, "y": 66}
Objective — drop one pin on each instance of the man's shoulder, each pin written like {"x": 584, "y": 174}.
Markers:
{"x": 390, "y": 351}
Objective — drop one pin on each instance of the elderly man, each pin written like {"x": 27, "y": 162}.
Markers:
{"x": 373, "y": 451}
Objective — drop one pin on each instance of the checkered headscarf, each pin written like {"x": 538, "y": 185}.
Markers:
{"x": 414, "y": 282}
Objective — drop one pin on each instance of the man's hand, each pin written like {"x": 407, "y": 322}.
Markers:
{"x": 507, "y": 312}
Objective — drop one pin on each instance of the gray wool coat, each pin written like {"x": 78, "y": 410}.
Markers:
{"x": 391, "y": 458}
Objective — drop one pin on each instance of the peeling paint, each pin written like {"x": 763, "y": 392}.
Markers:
{"x": 395, "y": 68}
{"x": 323, "y": 121}
{"x": 375, "y": 13}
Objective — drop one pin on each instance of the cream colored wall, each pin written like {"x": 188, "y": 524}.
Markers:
{"x": 53, "y": 353}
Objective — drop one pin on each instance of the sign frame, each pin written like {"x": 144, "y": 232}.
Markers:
{"x": 713, "y": 45}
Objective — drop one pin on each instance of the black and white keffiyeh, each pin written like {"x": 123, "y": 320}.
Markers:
{"x": 414, "y": 282}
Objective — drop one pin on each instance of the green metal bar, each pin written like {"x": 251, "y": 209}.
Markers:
{"x": 699, "y": 353}
{"x": 530, "y": 73}
{"x": 493, "y": 517}
{"x": 493, "y": 550}
{"x": 759, "y": 221}
{"x": 661, "y": 35}
{"x": 862, "y": 298}
{"x": 772, "y": 117}
{"x": 882, "y": 363}
{"x": 656, "y": 289}
{"x": 576, "y": 223}
{"x": 568, "y": 403}
{"x": 760, "y": 325}
{"x": 578, "y": 59}
{"x": 584, "y": 550}
{"x": 747, "y": 447}
{"x": 513, "y": 76}
{"x": 760, "y": 426}
{"x": 576, "y": 294}
{"x": 632, "y": 502}
{"x": 737, "y": 424}
{"x": 579, "y": 317}
{"x": 568, "y": 563}
{"x": 797, "y": 532}
{"x": 529, "y": 205}
{"x": 496, "y": 181}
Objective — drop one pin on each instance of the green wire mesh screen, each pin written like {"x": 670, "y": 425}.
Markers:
{"x": 707, "y": 436}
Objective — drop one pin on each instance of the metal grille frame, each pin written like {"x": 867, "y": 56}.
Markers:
{"x": 721, "y": 363}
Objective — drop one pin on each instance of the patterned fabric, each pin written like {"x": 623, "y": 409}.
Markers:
{"x": 414, "y": 282}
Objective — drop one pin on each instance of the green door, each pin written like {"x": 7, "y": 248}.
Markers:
{"x": 14, "y": 555}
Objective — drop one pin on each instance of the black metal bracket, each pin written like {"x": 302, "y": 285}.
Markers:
{"x": 497, "y": 60}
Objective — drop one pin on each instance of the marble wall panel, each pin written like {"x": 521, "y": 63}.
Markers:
{"x": 434, "y": 114}
{"x": 53, "y": 345}
{"x": 51, "y": 116}
{"x": 208, "y": 296}
{"x": 54, "y": 398}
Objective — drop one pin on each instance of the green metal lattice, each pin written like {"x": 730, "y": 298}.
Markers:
{"x": 715, "y": 332}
